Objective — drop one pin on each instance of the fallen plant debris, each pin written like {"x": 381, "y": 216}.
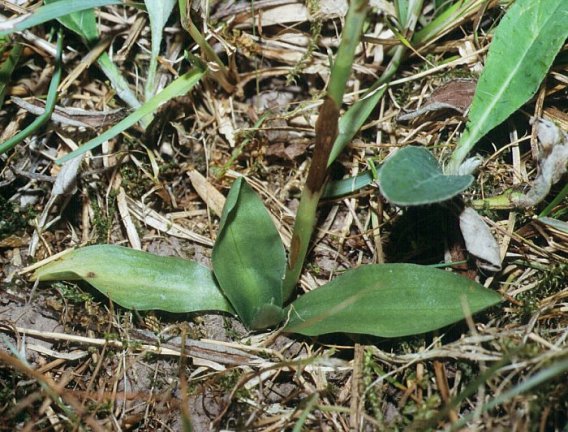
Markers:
{"x": 242, "y": 221}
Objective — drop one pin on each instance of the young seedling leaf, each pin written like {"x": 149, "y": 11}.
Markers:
{"x": 523, "y": 48}
{"x": 179, "y": 87}
{"x": 249, "y": 259}
{"x": 159, "y": 12}
{"x": 49, "y": 12}
{"x": 412, "y": 176}
{"x": 388, "y": 300}
{"x": 140, "y": 280}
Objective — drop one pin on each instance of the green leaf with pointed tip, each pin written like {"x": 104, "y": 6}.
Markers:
{"x": 524, "y": 46}
{"x": 159, "y": 12}
{"x": 140, "y": 280}
{"x": 412, "y": 176}
{"x": 84, "y": 23}
{"x": 388, "y": 300}
{"x": 249, "y": 259}
{"x": 49, "y": 12}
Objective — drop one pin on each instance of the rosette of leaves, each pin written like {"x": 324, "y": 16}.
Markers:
{"x": 249, "y": 263}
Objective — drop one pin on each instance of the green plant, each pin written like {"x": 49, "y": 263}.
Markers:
{"x": 80, "y": 18}
{"x": 251, "y": 274}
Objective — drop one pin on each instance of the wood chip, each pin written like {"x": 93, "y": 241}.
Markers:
{"x": 207, "y": 192}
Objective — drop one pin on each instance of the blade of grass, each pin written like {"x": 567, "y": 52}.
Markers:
{"x": 326, "y": 134}
{"x": 357, "y": 114}
{"x": 84, "y": 23}
{"x": 544, "y": 375}
{"x": 179, "y": 87}
{"x": 7, "y": 68}
{"x": 159, "y": 12}
{"x": 49, "y": 12}
{"x": 49, "y": 103}
{"x": 346, "y": 128}
{"x": 446, "y": 21}
{"x": 222, "y": 75}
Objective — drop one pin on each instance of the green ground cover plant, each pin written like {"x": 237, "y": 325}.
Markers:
{"x": 249, "y": 261}
{"x": 265, "y": 266}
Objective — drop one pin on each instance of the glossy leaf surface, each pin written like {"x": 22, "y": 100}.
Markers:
{"x": 140, "y": 280}
{"x": 388, "y": 300}
{"x": 523, "y": 48}
{"x": 412, "y": 176}
{"x": 249, "y": 259}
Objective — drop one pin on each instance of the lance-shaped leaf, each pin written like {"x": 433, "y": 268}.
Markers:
{"x": 159, "y": 12}
{"x": 249, "y": 259}
{"x": 140, "y": 280}
{"x": 524, "y": 46}
{"x": 412, "y": 176}
{"x": 388, "y": 300}
{"x": 48, "y": 12}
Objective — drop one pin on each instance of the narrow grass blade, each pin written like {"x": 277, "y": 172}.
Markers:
{"x": 140, "y": 280}
{"x": 159, "y": 12}
{"x": 7, "y": 68}
{"x": 447, "y": 20}
{"x": 326, "y": 134}
{"x": 49, "y": 12}
{"x": 249, "y": 259}
{"x": 347, "y": 186}
{"x": 49, "y": 103}
{"x": 359, "y": 112}
{"x": 84, "y": 23}
{"x": 523, "y": 48}
{"x": 556, "y": 369}
{"x": 180, "y": 86}
{"x": 388, "y": 300}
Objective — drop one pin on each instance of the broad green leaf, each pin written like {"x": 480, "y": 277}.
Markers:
{"x": 49, "y": 12}
{"x": 180, "y": 86}
{"x": 412, "y": 176}
{"x": 523, "y": 48}
{"x": 388, "y": 300}
{"x": 159, "y": 12}
{"x": 249, "y": 259}
{"x": 140, "y": 280}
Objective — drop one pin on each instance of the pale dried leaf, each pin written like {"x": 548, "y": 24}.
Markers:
{"x": 455, "y": 95}
{"x": 66, "y": 181}
{"x": 552, "y": 164}
{"x": 161, "y": 223}
{"x": 207, "y": 192}
{"x": 479, "y": 241}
